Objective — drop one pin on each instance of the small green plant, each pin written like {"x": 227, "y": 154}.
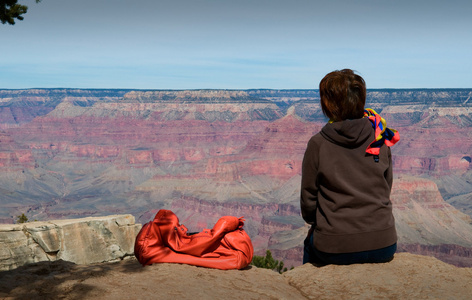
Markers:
{"x": 21, "y": 218}
{"x": 268, "y": 262}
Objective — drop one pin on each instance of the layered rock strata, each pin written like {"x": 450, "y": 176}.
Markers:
{"x": 81, "y": 241}
{"x": 208, "y": 153}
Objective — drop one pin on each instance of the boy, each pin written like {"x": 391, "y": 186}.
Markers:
{"x": 347, "y": 179}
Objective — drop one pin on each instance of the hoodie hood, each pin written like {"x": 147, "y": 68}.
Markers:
{"x": 349, "y": 133}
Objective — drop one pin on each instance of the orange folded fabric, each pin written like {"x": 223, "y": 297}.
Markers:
{"x": 164, "y": 240}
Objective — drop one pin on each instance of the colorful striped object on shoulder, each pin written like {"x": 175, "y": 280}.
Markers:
{"x": 383, "y": 135}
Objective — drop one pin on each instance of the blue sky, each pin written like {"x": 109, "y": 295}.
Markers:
{"x": 237, "y": 44}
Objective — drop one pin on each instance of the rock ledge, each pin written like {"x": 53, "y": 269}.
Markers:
{"x": 408, "y": 276}
{"x": 81, "y": 241}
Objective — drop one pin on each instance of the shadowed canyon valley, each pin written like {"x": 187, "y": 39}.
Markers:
{"x": 67, "y": 153}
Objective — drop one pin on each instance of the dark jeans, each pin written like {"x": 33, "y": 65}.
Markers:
{"x": 314, "y": 256}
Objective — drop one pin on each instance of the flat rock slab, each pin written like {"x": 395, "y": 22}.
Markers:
{"x": 129, "y": 280}
{"x": 408, "y": 276}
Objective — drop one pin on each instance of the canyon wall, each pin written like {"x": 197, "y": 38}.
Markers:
{"x": 208, "y": 153}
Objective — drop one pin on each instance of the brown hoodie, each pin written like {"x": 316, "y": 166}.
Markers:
{"x": 345, "y": 192}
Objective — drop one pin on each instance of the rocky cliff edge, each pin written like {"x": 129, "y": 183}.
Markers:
{"x": 408, "y": 276}
{"x": 70, "y": 259}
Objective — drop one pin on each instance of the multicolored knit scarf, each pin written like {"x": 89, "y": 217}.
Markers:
{"x": 383, "y": 135}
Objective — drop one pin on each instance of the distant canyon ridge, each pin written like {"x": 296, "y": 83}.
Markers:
{"x": 68, "y": 153}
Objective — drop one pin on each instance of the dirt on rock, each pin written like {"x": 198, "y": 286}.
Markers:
{"x": 129, "y": 280}
{"x": 408, "y": 276}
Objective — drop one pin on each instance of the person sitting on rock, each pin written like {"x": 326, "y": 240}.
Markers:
{"x": 347, "y": 179}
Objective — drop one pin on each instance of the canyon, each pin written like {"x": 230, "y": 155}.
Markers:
{"x": 70, "y": 153}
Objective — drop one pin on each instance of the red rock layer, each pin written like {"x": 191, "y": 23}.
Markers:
{"x": 205, "y": 158}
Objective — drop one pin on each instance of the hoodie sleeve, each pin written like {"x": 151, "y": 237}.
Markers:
{"x": 309, "y": 186}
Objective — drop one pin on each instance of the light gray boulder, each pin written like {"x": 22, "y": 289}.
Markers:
{"x": 82, "y": 241}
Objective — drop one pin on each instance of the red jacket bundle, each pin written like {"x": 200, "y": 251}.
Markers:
{"x": 164, "y": 240}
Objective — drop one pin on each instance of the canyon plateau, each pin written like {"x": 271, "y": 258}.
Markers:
{"x": 70, "y": 153}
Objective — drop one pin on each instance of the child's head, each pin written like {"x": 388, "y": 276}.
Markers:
{"x": 342, "y": 95}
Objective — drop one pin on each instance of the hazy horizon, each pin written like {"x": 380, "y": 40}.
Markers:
{"x": 224, "y": 89}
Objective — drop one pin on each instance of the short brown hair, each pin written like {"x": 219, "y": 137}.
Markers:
{"x": 342, "y": 95}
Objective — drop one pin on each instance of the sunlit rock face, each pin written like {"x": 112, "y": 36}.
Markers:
{"x": 82, "y": 241}
{"x": 208, "y": 153}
